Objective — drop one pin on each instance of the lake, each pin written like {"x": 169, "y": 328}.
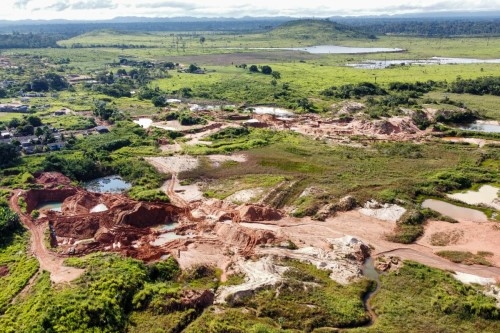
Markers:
{"x": 327, "y": 49}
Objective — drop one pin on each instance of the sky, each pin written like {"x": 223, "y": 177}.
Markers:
{"x": 107, "y": 9}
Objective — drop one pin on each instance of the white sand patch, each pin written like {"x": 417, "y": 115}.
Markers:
{"x": 188, "y": 193}
{"x": 174, "y": 164}
{"x": 99, "y": 208}
{"x": 385, "y": 212}
{"x": 470, "y": 278}
{"x": 335, "y": 259}
{"x": 262, "y": 272}
{"x": 218, "y": 159}
{"x": 245, "y": 196}
{"x": 144, "y": 122}
{"x": 493, "y": 291}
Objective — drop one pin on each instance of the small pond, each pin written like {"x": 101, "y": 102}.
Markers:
{"x": 109, "y": 184}
{"x": 380, "y": 64}
{"x": 144, "y": 122}
{"x": 167, "y": 227}
{"x": 50, "y": 205}
{"x": 333, "y": 49}
{"x": 455, "y": 212}
{"x": 167, "y": 237}
{"x": 485, "y": 195}
{"x": 280, "y": 112}
{"x": 483, "y": 126}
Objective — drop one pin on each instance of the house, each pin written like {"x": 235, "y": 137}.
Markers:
{"x": 55, "y": 145}
{"x": 29, "y": 149}
{"x": 5, "y": 134}
{"x": 13, "y": 108}
{"x": 101, "y": 129}
{"x": 33, "y": 94}
{"x": 61, "y": 112}
{"x": 26, "y": 143}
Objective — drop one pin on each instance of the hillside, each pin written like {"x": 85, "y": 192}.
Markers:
{"x": 319, "y": 31}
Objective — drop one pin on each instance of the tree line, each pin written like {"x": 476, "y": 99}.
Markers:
{"x": 30, "y": 40}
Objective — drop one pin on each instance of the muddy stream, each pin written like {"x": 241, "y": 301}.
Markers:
{"x": 369, "y": 271}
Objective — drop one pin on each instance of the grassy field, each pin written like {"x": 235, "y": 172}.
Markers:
{"x": 341, "y": 170}
{"x": 6, "y": 116}
{"x": 21, "y": 266}
{"x": 174, "y": 43}
{"x": 430, "y": 300}
{"x": 486, "y": 105}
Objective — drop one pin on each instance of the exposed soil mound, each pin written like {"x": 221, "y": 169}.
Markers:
{"x": 346, "y": 203}
{"x": 77, "y": 227}
{"x": 34, "y": 197}
{"x": 4, "y": 270}
{"x": 251, "y": 213}
{"x": 395, "y": 126}
{"x": 146, "y": 215}
{"x": 243, "y": 238}
{"x": 53, "y": 180}
{"x": 81, "y": 202}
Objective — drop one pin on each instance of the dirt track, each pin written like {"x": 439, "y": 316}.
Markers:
{"x": 47, "y": 259}
{"x": 306, "y": 232}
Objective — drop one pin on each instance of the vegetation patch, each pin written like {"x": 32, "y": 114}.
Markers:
{"x": 434, "y": 300}
{"x": 463, "y": 257}
{"x": 446, "y": 238}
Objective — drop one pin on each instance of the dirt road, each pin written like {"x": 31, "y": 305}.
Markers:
{"x": 48, "y": 260}
{"x": 372, "y": 231}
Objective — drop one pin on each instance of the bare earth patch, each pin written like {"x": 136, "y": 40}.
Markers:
{"x": 173, "y": 164}
{"x": 245, "y": 196}
{"x": 464, "y": 236}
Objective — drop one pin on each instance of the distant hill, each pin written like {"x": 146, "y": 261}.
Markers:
{"x": 317, "y": 31}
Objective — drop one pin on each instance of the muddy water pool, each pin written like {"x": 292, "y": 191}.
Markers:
{"x": 109, "y": 184}
{"x": 380, "y": 64}
{"x": 483, "y": 126}
{"x": 455, "y": 212}
{"x": 486, "y": 195}
{"x": 50, "y": 205}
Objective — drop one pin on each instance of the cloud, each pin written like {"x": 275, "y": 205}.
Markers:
{"x": 93, "y": 4}
{"x": 104, "y": 9}
{"x": 63, "y": 5}
{"x": 436, "y": 6}
{"x": 21, "y": 3}
{"x": 168, "y": 4}
{"x": 59, "y": 6}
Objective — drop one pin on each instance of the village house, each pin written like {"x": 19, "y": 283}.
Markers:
{"x": 14, "y": 108}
